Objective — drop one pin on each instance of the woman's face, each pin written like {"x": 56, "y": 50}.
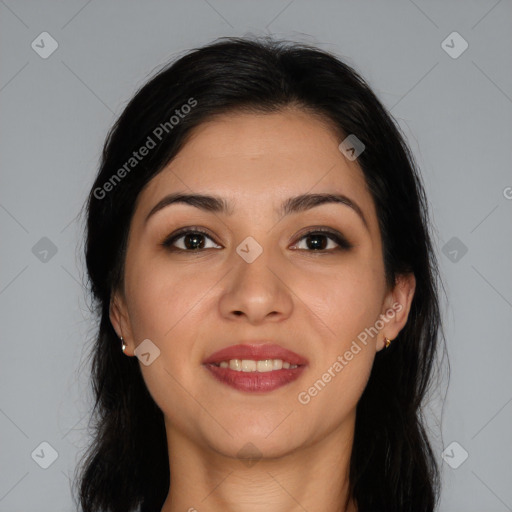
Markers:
{"x": 256, "y": 278}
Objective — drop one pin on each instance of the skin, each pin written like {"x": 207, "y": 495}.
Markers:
{"x": 191, "y": 304}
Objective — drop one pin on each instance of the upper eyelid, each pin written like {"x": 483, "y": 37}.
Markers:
{"x": 184, "y": 231}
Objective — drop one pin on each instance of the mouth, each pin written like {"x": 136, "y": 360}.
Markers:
{"x": 253, "y": 365}
{"x": 255, "y": 368}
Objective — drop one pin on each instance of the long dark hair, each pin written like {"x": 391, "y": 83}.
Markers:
{"x": 392, "y": 467}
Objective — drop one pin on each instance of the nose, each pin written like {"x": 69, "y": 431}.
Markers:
{"x": 256, "y": 292}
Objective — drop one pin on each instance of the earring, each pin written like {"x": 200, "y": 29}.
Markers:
{"x": 387, "y": 341}
{"x": 123, "y": 344}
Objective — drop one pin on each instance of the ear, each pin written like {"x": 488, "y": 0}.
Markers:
{"x": 118, "y": 313}
{"x": 396, "y": 307}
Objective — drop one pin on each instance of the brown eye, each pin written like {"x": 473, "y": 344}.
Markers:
{"x": 195, "y": 240}
{"x": 188, "y": 240}
{"x": 318, "y": 240}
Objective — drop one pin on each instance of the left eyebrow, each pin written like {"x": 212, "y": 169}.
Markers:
{"x": 291, "y": 205}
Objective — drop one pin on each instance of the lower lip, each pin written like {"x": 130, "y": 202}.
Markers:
{"x": 255, "y": 381}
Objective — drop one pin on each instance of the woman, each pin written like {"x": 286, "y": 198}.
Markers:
{"x": 258, "y": 245}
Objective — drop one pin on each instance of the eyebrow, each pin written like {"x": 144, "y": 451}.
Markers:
{"x": 291, "y": 205}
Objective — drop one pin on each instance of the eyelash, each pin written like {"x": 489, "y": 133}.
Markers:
{"x": 336, "y": 237}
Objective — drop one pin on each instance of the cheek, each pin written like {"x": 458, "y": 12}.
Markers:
{"x": 346, "y": 299}
{"x": 167, "y": 306}
{"x": 331, "y": 396}
{"x": 346, "y": 303}
{"x": 162, "y": 298}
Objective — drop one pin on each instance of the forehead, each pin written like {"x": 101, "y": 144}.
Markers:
{"x": 259, "y": 160}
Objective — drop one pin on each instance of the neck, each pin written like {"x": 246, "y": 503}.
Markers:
{"x": 315, "y": 477}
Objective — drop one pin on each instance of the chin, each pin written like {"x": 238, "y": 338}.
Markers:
{"x": 251, "y": 447}
{"x": 269, "y": 438}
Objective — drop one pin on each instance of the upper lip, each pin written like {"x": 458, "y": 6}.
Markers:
{"x": 256, "y": 351}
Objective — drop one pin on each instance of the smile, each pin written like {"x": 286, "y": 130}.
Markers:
{"x": 251, "y": 365}
{"x": 255, "y": 366}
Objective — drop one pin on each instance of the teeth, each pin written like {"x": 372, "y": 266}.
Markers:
{"x": 235, "y": 364}
{"x": 265, "y": 366}
{"x": 250, "y": 365}
{"x": 277, "y": 364}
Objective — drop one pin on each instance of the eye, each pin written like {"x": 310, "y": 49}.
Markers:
{"x": 319, "y": 240}
{"x": 193, "y": 240}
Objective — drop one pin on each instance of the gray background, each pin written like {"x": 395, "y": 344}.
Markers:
{"x": 55, "y": 112}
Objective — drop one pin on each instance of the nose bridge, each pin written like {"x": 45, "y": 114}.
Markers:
{"x": 255, "y": 288}
{"x": 252, "y": 261}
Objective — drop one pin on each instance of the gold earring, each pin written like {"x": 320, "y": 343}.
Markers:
{"x": 388, "y": 341}
{"x": 123, "y": 344}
